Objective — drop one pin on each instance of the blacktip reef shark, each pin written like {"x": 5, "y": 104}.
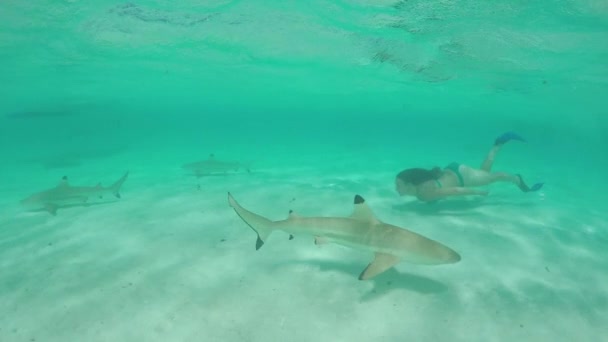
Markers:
{"x": 66, "y": 195}
{"x": 361, "y": 230}
{"x": 212, "y": 165}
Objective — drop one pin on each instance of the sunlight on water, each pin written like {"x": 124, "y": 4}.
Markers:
{"x": 300, "y": 106}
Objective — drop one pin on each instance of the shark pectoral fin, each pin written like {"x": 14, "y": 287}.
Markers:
{"x": 321, "y": 240}
{"x": 51, "y": 208}
{"x": 362, "y": 210}
{"x": 381, "y": 263}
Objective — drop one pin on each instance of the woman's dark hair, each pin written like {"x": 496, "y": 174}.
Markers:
{"x": 418, "y": 176}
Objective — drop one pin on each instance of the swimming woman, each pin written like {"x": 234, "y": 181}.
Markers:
{"x": 458, "y": 179}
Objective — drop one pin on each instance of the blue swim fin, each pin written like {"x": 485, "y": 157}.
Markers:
{"x": 508, "y": 136}
{"x": 525, "y": 188}
{"x": 536, "y": 186}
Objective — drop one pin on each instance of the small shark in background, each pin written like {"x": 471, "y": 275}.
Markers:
{"x": 64, "y": 195}
{"x": 213, "y": 166}
{"x": 362, "y": 230}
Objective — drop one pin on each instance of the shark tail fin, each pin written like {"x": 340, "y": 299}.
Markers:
{"x": 115, "y": 188}
{"x": 261, "y": 225}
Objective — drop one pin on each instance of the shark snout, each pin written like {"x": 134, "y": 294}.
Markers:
{"x": 452, "y": 257}
{"x": 26, "y": 201}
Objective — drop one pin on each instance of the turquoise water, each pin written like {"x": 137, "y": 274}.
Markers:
{"x": 327, "y": 100}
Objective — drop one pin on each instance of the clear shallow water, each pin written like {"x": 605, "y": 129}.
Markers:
{"x": 329, "y": 99}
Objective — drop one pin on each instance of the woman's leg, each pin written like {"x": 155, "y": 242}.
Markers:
{"x": 501, "y": 140}
{"x": 480, "y": 177}
{"x": 489, "y": 161}
{"x": 474, "y": 177}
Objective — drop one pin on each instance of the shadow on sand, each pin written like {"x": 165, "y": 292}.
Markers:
{"x": 457, "y": 207}
{"x": 389, "y": 281}
{"x": 72, "y": 205}
{"x": 218, "y": 174}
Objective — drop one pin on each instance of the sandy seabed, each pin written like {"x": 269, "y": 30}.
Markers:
{"x": 171, "y": 261}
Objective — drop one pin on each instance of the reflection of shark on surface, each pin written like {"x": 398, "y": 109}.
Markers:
{"x": 214, "y": 166}
{"x": 362, "y": 230}
{"x": 64, "y": 195}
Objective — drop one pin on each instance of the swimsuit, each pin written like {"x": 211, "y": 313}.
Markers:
{"x": 454, "y": 168}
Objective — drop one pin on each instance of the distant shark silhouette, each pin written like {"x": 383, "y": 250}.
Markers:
{"x": 213, "y": 166}
{"x": 64, "y": 195}
{"x": 362, "y": 230}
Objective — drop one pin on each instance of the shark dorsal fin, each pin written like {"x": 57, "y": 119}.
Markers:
{"x": 292, "y": 215}
{"x": 362, "y": 210}
{"x": 211, "y": 156}
{"x": 63, "y": 182}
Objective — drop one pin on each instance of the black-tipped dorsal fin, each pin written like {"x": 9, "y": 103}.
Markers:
{"x": 63, "y": 181}
{"x": 292, "y": 215}
{"x": 362, "y": 210}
